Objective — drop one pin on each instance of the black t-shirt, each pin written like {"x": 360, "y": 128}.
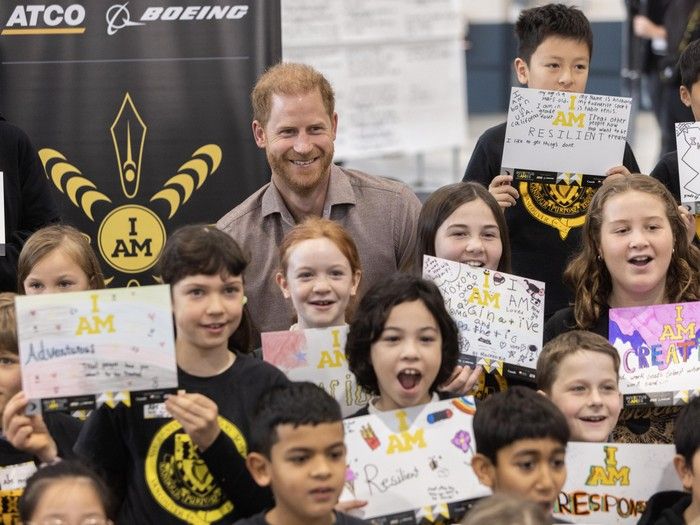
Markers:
{"x": 340, "y": 519}
{"x": 64, "y": 430}
{"x": 545, "y": 223}
{"x": 158, "y": 473}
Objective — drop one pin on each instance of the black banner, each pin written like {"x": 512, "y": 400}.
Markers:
{"x": 141, "y": 113}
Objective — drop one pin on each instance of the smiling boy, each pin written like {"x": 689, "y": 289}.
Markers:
{"x": 578, "y": 371}
{"x": 555, "y": 43}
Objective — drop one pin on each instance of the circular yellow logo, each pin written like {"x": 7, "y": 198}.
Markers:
{"x": 131, "y": 238}
{"x": 180, "y": 481}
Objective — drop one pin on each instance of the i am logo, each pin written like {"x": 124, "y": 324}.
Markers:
{"x": 568, "y": 120}
{"x": 45, "y": 19}
{"x": 131, "y": 236}
{"x": 95, "y": 324}
{"x": 337, "y": 358}
{"x": 482, "y": 296}
{"x": 609, "y": 475}
{"x": 404, "y": 441}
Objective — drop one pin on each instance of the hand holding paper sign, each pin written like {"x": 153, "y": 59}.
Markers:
{"x": 27, "y": 433}
{"x": 198, "y": 415}
{"x": 503, "y": 192}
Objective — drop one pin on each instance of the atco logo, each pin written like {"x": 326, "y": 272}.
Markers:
{"x": 119, "y": 17}
{"x": 130, "y": 237}
{"x": 45, "y": 19}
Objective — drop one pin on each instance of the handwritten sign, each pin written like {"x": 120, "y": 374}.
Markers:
{"x": 99, "y": 344}
{"x": 611, "y": 482}
{"x": 560, "y": 137}
{"x": 688, "y": 148}
{"x": 500, "y": 316}
{"x": 658, "y": 347}
{"x": 413, "y": 464}
{"x": 316, "y": 355}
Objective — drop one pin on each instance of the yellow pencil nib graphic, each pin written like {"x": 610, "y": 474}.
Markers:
{"x": 130, "y": 237}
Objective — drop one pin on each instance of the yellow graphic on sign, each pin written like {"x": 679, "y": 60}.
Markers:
{"x": 130, "y": 237}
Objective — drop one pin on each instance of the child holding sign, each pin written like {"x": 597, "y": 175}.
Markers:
{"x": 667, "y": 169}
{"x": 182, "y": 462}
{"x": 58, "y": 258}
{"x": 463, "y": 222}
{"x": 320, "y": 272}
{"x": 28, "y": 441}
{"x": 555, "y": 43}
{"x": 635, "y": 253}
{"x": 402, "y": 343}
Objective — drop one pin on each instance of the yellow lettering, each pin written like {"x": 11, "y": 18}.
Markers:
{"x": 679, "y": 309}
{"x": 94, "y": 298}
{"x": 403, "y": 423}
{"x": 572, "y": 102}
{"x": 487, "y": 298}
{"x": 609, "y": 475}
{"x": 569, "y": 120}
{"x": 405, "y": 442}
{"x": 334, "y": 361}
{"x": 336, "y": 338}
{"x": 97, "y": 326}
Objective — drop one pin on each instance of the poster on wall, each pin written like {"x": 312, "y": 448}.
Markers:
{"x": 500, "y": 317}
{"x": 79, "y": 350}
{"x": 140, "y": 113}
{"x": 316, "y": 355}
{"x": 560, "y": 137}
{"x": 611, "y": 482}
{"x": 413, "y": 465}
{"x": 658, "y": 347}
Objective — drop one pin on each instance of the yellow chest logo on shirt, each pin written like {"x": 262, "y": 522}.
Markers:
{"x": 560, "y": 206}
{"x": 180, "y": 481}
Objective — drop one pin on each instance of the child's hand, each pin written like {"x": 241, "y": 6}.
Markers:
{"x": 27, "y": 433}
{"x": 688, "y": 222}
{"x": 503, "y": 192}
{"x": 351, "y": 504}
{"x": 198, "y": 415}
{"x": 615, "y": 174}
{"x": 462, "y": 380}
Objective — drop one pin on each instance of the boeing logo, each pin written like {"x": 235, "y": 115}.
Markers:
{"x": 118, "y": 16}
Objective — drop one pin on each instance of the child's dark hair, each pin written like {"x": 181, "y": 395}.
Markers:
{"x": 518, "y": 413}
{"x": 689, "y": 64}
{"x": 63, "y": 470}
{"x": 536, "y": 24}
{"x": 203, "y": 249}
{"x": 687, "y": 431}
{"x": 441, "y": 204}
{"x": 372, "y": 313}
{"x": 296, "y": 403}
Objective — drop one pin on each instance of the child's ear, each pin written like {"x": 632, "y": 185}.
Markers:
{"x": 684, "y": 471}
{"x": 685, "y": 96}
{"x": 522, "y": 71}
{"x": 484, "y": 470}
{"x": 260, "y": 468}
{"x": 543, "y": 393}
{"x": 355, "y": 282}
{"x": 282, "y": 283}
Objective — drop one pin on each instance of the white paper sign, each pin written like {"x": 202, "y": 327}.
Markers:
{"x": 95, "y": 342}
{"x": 556, "y": 136}
{"x": 413, "y": 463}
{"x": 688, "y": 152}
{"x": 610, "y": 483}
{"x": 500, "y": 316}
{"x": 316, "y": 355}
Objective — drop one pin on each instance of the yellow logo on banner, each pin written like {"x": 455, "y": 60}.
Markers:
{"x": 130, "y": 237}
{"x": 610, "y": 474}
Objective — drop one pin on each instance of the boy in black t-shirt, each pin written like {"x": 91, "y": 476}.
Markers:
{"x": 297, "y": 447}
{"x": 555, "y": 43}
{"x": 667, "y": 170}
